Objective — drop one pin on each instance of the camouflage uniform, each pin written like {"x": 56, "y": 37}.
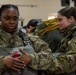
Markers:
{"x": 11, "y": 41}
{"x": 52, "y": 37}
{"x": 8, "y": 40}
{"x": 49, "y": 32}
{"x": 44, "y": 59}
{"x": 62, "y": 61}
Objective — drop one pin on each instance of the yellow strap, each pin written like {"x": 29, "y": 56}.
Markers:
{"x": 49, "y": 22}
{"x": 43, "y": 31}
{"x": 50, "y": 25}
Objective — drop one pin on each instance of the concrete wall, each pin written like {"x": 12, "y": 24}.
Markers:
{"x": 41, "y": 11}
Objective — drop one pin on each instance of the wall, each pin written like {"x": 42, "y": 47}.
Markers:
{"x": 44, "y": 7}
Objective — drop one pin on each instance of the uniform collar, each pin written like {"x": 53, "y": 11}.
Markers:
{"x": 68, "y": 29}
{"x": 6, "y": 33}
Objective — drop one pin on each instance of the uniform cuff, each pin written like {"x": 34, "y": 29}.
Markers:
{"x": 2, "y": 67}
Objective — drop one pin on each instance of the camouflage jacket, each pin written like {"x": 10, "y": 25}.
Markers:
{"x": 52, "y": 37}
{"x": 12, "y": 41}
{"x": 61, "y": 61}
{"x": 43, "y": 59}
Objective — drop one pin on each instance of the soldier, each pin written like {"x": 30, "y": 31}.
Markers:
{"x": 9, "y": 20}
{"x": 47, "y": 30}
{"x": 11, "y": 41}
{"x": 64, "y": 60}
{"x": 31, "y": 24}
{"x": 5, "y": 28}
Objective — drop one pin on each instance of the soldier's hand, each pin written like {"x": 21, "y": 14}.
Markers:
{"x": 13, "y": 63}
{"x": 25, "y": 57}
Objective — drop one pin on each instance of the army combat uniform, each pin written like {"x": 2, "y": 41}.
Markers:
{"x": 43, "y": 59}
{"x": 64, "y": 62}
{"x": 49, "y": 31}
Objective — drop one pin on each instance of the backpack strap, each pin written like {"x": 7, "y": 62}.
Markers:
{"x": 24, "y": 37}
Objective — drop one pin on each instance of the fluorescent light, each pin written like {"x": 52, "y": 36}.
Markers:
{"x": 50, "y": 17}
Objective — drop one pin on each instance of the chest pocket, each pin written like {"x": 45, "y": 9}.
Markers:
{"x": 15, "y": 42}
{"x": 11, "y": 42}
{"x": 72, "y": 45}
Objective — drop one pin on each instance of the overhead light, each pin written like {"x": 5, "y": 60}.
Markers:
{"x": 52, "y": 15}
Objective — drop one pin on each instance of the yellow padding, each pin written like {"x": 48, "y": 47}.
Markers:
{"x": 50, "y": 25}
{"x": 43, "y": 31}
{"x": 49, "y": 22}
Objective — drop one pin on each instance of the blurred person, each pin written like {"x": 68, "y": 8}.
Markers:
{"x": 47, "y": 30}
{"x": 30, "y": 25}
